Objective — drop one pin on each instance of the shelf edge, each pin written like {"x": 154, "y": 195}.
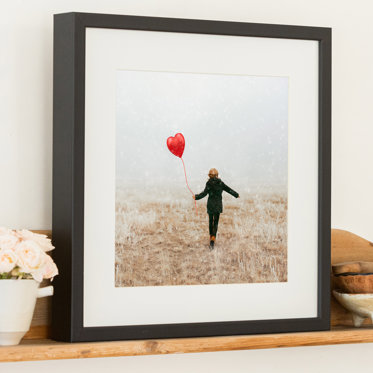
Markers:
{"x": 33, "y": 350}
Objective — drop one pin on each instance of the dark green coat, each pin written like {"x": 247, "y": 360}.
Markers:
{"x": 214, "y": 188}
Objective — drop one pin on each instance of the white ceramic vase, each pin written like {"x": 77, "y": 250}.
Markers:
{"x": 17, "y": 303}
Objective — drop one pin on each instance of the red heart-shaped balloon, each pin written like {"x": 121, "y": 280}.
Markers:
{"x": 176, "y": 144}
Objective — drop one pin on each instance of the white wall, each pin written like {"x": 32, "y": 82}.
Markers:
{"x": 26, "y": 142}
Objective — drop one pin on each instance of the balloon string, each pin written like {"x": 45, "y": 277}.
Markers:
{"x": 190, "y": 190}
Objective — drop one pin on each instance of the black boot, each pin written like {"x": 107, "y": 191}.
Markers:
{"x": 212, "y": 242}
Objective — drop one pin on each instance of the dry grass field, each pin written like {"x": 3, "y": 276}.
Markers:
{"x": 162, "y": 241}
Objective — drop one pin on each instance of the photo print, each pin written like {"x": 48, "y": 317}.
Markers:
{"x": 201, "y": 179}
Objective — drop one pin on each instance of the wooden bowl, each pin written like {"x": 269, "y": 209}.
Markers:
{"x": 360, "y": 305}
{"x": 355, "y": 267}
{"x": 354, "y": 283}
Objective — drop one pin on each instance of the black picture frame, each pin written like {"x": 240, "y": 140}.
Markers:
{"x": 68, "y": 176}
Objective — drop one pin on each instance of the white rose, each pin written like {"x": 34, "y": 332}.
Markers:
{"x": 37, "y": 275}
{"x": 8, "y": 241}
{"x": 30, "y": 256}
{"x": 8, "y": 260}
{"x": 42, "y": 240}
{"x": 47, "y": 271}
{"x": 4, "y": 230}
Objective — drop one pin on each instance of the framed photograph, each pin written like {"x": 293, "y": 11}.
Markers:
{"x": 191, "y": 177}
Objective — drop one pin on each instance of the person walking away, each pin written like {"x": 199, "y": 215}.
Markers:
{"x": 214, "y": 189}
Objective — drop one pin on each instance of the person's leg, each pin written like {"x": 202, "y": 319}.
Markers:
{"x": 216, "y": 223}
{"x": 211, "y": 229}
{"x": 211, "y": 224}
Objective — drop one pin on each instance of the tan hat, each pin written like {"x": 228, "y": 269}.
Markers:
{"x": 213, "y": 172}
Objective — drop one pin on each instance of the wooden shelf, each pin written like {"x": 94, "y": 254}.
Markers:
{"x": 50, "y": 350}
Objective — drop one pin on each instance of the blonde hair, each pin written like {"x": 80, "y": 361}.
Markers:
{"x": 213, "y": 172}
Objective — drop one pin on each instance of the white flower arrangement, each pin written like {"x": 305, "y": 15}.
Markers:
{"x": 23, "y": 255}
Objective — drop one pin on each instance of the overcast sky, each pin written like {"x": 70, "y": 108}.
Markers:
{"x": 237, "y": 124}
